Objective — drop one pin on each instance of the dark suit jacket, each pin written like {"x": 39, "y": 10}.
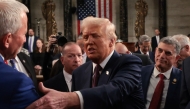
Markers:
{"x": 57, "y": 82}
{"x": 17, "y": 90}
{"x": 154, "y": 43}
{"x": 172, "y": 98}
{"x": 151, "y": 54}
{"x": 28, "y": 65}
{"x": 119, "y": 89}
{"x": 185, "y": 88}
{"x": 144, "y": 58}
{"x": 26, "y": 43}
{"x": 58, "y": 67}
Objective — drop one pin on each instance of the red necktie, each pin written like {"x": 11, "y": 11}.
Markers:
{"x": 6, "y": 62}
{"x": 96, "y": 75}
{"x": 157, "y": 96}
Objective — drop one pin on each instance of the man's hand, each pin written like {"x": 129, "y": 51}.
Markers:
{"x": 55, "y": 100}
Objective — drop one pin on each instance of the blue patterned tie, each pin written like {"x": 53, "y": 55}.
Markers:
{"x": 12, "y": 61}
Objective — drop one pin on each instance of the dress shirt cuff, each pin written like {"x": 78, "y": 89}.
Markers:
{"x": 81, "y": 99}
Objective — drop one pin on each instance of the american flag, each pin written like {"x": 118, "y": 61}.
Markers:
{"x": 97, "y": 8}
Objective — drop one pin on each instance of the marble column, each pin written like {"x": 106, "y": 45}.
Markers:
{"x": 68, "y": 19}
{"x": 123, "y": 21}
{"x": 162, "y": 18}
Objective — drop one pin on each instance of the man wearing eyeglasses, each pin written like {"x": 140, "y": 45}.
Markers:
{"x": 145, "y": 46}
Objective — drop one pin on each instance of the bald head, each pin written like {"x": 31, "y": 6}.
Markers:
{"x": 121, "y": 48}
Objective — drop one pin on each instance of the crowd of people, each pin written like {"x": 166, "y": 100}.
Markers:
{"x": 95, "y": 72}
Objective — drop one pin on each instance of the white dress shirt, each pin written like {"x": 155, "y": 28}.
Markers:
{"x": 84, "y": 56}
{"x": 32, "y": 43}
{"x": 154, "y": 79}
{"x": 103, "y": 64}
{"x": 147, "y": 53}
{"x": 68, "y": 79}
{"x": 157, "y": 39}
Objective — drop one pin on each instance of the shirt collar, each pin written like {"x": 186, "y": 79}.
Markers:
{"x": 143, "y": 53}
{"x": 68, "y": 77}
{"x": 16, "y": 59}
{"x": 166, "y": 74}
{"x": 2, "y": 56}
{"x": 84, "y": 54}
{"x": 103, "y": 63}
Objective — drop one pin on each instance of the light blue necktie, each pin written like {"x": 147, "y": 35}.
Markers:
{"x": 12, "y": 61}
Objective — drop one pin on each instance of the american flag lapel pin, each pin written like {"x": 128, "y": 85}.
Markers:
{"x": 107, "y": 72}
{"x": 174, "y": 81}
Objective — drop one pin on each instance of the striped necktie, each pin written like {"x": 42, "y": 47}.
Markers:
{"x": 12, "y": 61}
{"x": 6, "y": 62}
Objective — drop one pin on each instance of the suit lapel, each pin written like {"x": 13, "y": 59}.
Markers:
{"x": 172, "y": 88}
{"x": 25, "y": 64}
{"x": 62, "y": 80}
{"x": 146, "y": 79}
{"x": 108, "y": 70}
{"x": 34, "y": 43}
{"x": 87, "y": 77}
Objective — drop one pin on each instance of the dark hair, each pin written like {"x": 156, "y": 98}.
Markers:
{"x": 188, "y": 35}
{"x": 43, "y": 46}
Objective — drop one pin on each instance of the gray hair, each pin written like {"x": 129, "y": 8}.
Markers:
{"x": 100, "y": 22}
{"x": 144, "y": 38}
{"x": 10, "y": 16}
{"x": 172, "y": 41}
{"x": 182, "y": 39}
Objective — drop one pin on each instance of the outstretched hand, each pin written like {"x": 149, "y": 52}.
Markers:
{"x": 54, "y": 99}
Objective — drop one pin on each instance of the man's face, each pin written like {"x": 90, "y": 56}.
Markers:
{"x": 30, "y": 32}
{"x": 184, "y": 52}
{"x": 96, "y": 44}
{"x": 157, "y": 32}
{"x": 72, "y": 58}
{"x": 145, "y": 47}
{"x": 165, "y": 56}
{"x": 18, "y": 38}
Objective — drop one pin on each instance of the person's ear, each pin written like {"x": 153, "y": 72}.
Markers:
{"x": 112, "y": 42}
{"x": 187, "y": 47}
{"x": 6, "y": 39}
{"x": 62, "y": 60}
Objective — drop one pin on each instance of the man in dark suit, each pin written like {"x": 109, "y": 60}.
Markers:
{"x": 30, "y": 43}
{"x": 161, "y": 82}
{"x": 62, "y": 81}
{"x": 122, "y": 49}
{"x": 17, "y": 90}
{"x": 144, "y": 44}
{"x": 28, "y": 67}
{"x": 155, "y": 40}
{"x": 109, "y": 81}
{"x": 185, "y": 89}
